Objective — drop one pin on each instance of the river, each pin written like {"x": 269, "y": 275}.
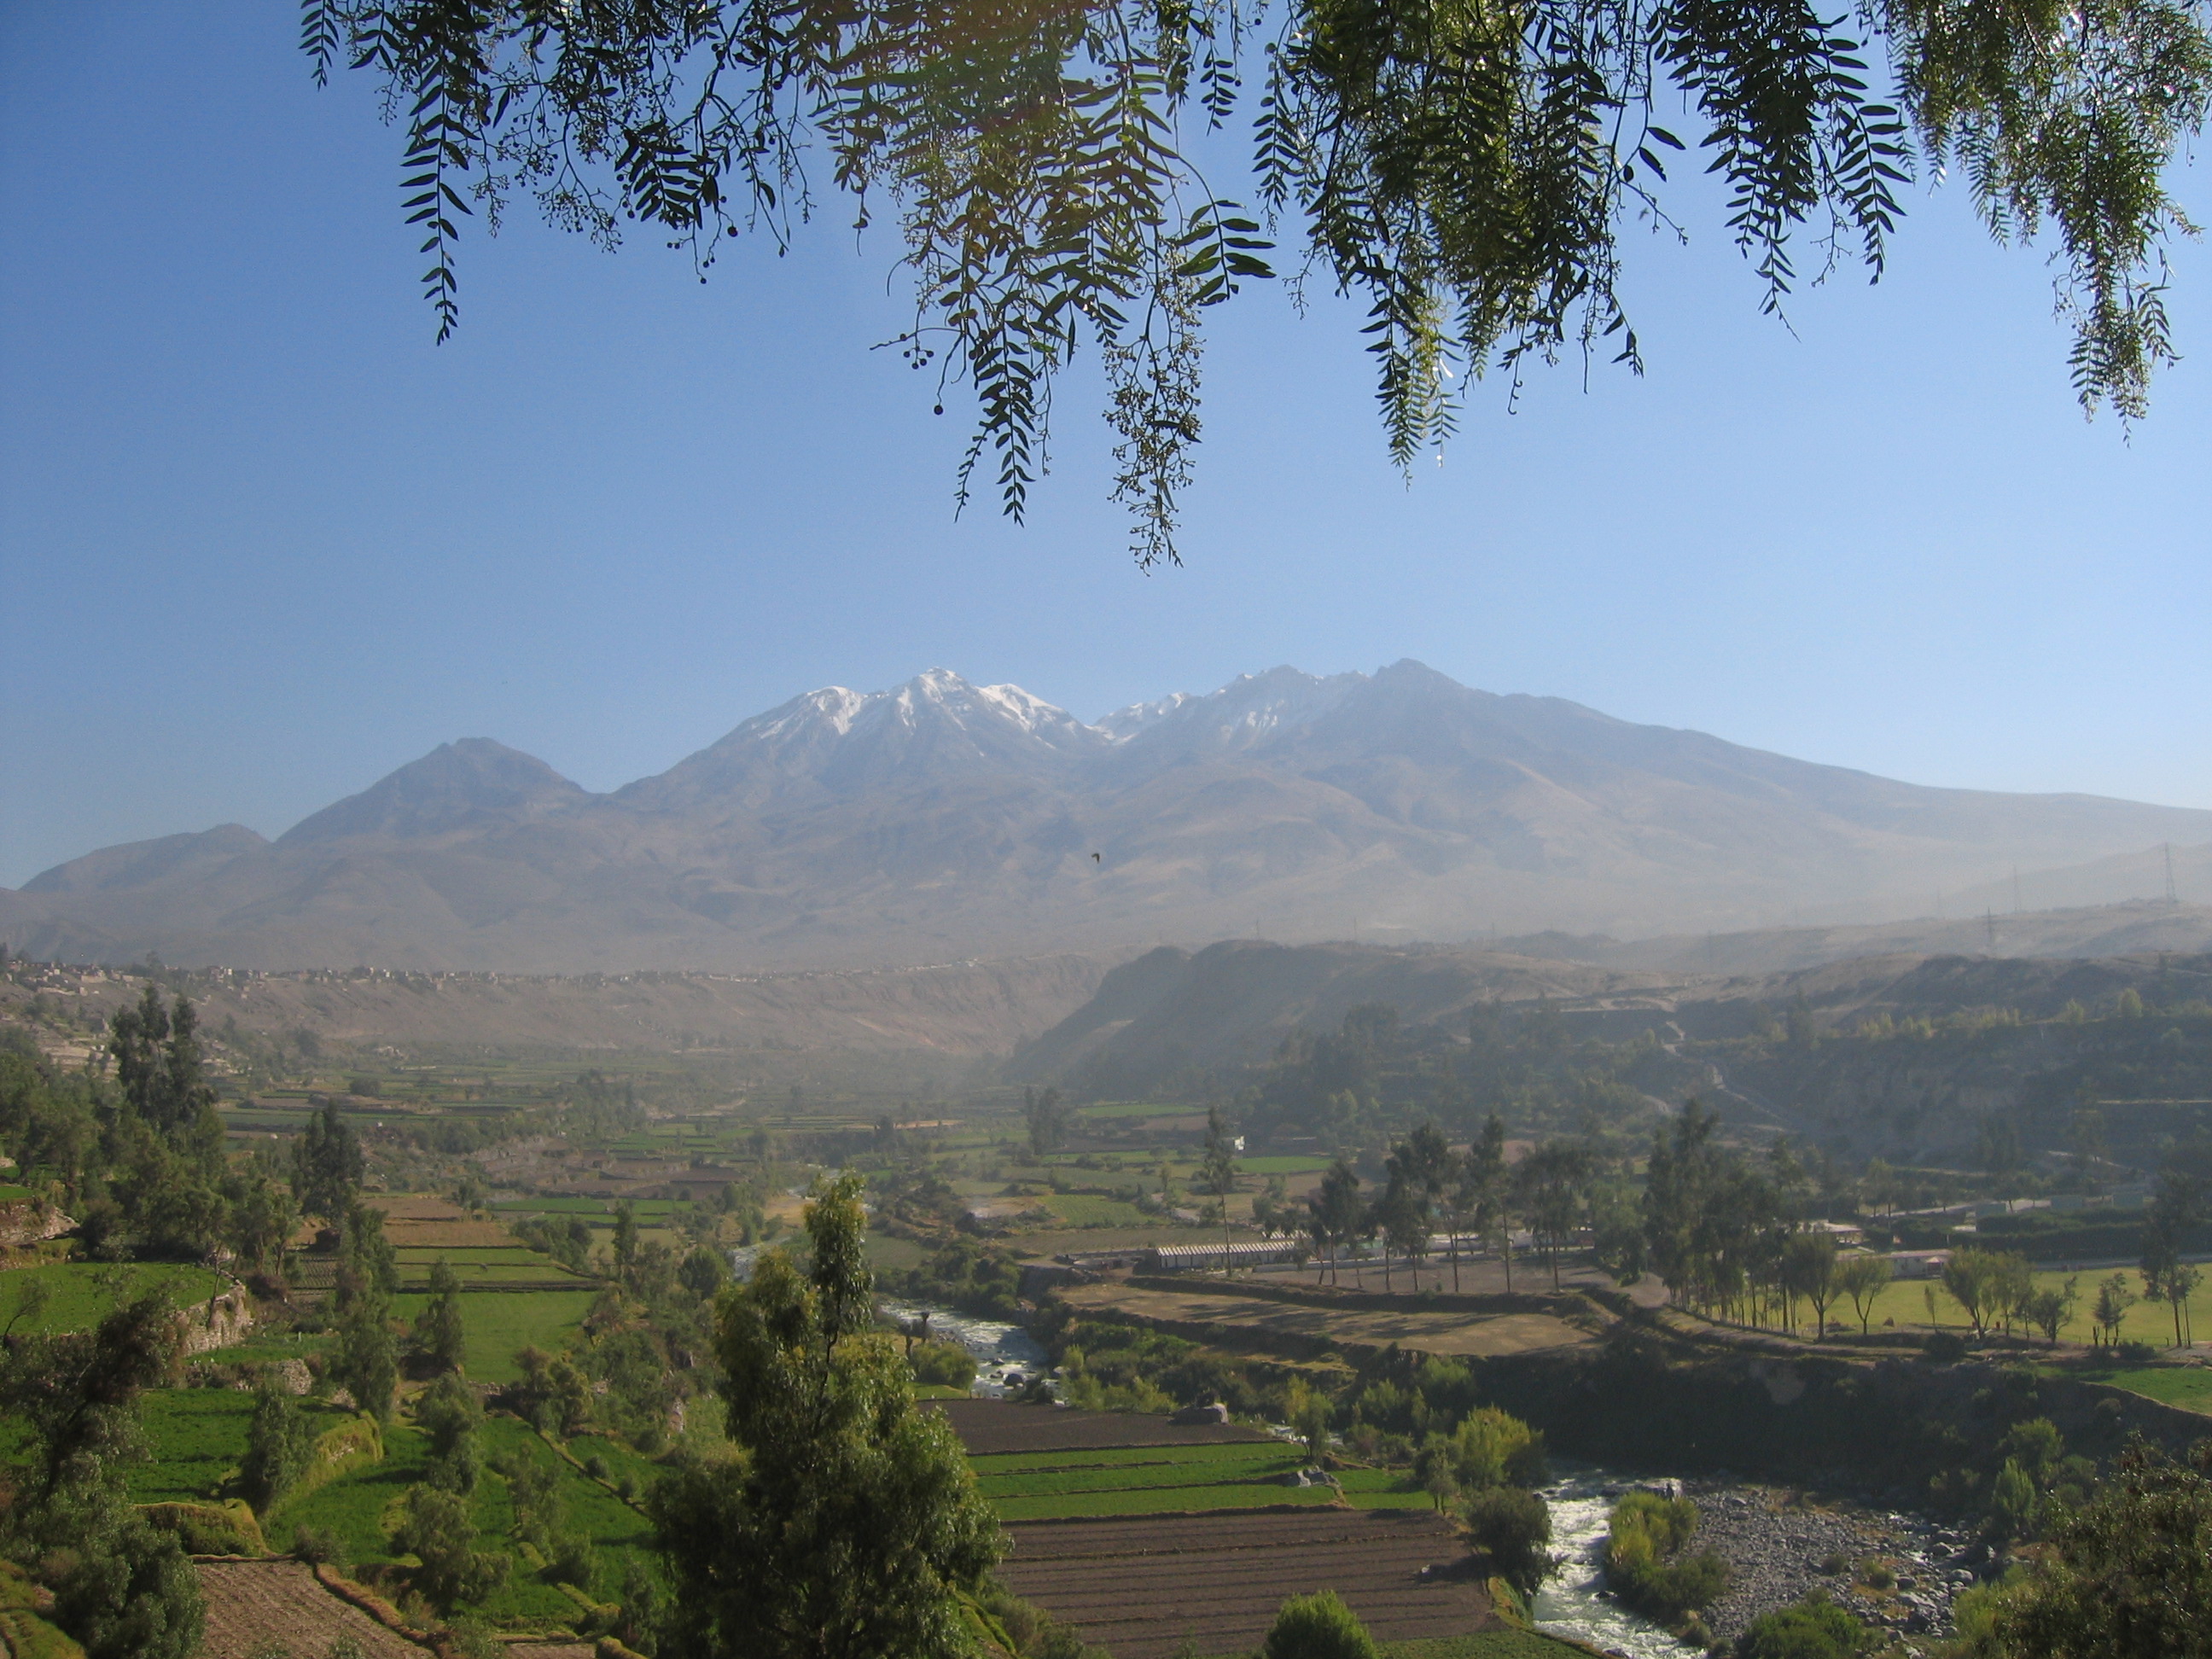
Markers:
{"x": 1001, "y": 1350}
{"x": 1572, "y": 1601}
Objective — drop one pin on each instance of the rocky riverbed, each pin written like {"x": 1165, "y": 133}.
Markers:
{"x": 1899, "y": 1571}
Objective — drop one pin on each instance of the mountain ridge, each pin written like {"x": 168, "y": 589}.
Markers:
{"x": 940, "y": 818}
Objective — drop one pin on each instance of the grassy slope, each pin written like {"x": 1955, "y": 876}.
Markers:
{"x": 82, "y": 1292}
{"x": 499, "y": 1324}
{"x": 197, "y": 1437}
{"x": 1903, "y": 1300}
{"x": 358, "y": 1508}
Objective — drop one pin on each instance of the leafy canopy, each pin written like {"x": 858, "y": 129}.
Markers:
{"x": 847, "y": 1525}
{"x": 1465, "y": 165}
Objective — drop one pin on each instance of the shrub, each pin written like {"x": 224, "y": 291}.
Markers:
{"x": 434, "y": 1527}
{"x": 1318, "y": 1626}
{"x": 278, "y": 1445}
{"x": 204, "y": 1528}
{"x": 944, "y": 1365}
{"x": 451, "y": 1418}
{"x": 1513, "y": 1527}
{"x": 572, "y": 1561}
{"x": 1644, "y": 1562}
{"x": 1815, "y": 1628}
{"x": 316, "y": 1544}
{"x": 1492, "y": 1448}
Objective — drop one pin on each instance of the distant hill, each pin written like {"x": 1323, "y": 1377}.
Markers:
{"x": 942, "y": 820}
{"x": 2140, "y": 928}
{"x": 1171, "y": 1016}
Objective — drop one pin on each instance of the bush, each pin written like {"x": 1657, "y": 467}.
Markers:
{"x": 317, "y": 1544}
{"x": 1318, "y": 1626}
{"x": 202, "y": 1529}
{"x": 449, "y": 1416}
{"x": 1492, "y": 1448}
{"x": 434, "y": 1527}
{"x": 1944, "y": 1348}
{"x": 572, "y": 1561}
{"x": 278, "y": 1446}
{"x": 1513, "y": 1527}
{"x": 1816, "y": 1628}
{"x": 1644, "y": 1563}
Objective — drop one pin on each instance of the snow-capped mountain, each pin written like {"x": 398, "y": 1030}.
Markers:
{"x": 941, "y": 819}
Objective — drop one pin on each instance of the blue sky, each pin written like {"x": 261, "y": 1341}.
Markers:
{"x": 261, "y": 541}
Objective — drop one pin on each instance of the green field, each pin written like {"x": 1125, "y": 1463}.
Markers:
{"x": 488, "y": 1275}
{"x": 357, "y": 1507}
{"x": 1904, "y": 1302}
{"x": 197, "y": 1437}
{"x": 1486, "y": 1645}
{"x": 1381, "y": 1489}
{"x": 587, "y": 1207}
{"x": 2189, "y": 1387}
{"x": 1133, "y": 1108}
{"x": 1143, "y": 1480}
{"x": 82, "y": 1293}
{"x": 499, "y": 1324}
{"x": 1091, "y": 1210}
{"x": 1286, "y": 1164}
{"x": 11, "y": 1193}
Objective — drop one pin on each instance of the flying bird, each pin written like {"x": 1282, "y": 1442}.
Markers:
{"x": 1095, "y": 859}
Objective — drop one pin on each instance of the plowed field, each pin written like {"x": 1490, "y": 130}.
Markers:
{"x": 255, "y": 1601}
{"x": 1142, "y": 1588}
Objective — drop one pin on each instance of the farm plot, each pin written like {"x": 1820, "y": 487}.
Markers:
{"x": 197, "y": 1437}
{"x": 442, "y": 1235}
{"x": 986, "y": 1427}
{"x": 498, "y": 1324}
{"x": 480, "y": 1269}
{"x": 1144, "y": 1587}
{"x": 1302, "y": 1327}
{"x": 1094, "y": 1210}
{"x": 251, "y": 1605}
{"x": 79, "y": 1294}
{"x": 359, "y": 1507}
{"x": 1062, "y": 1485}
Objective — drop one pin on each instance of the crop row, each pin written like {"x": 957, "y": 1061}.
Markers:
{"x": 1139, "y": 1478}
{"x": 1099, "y": 1457}
{"x": 1157, "y": 1500}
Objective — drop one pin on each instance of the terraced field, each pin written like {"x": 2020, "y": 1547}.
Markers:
{"x": 483, "y": 1268}
{"x": 1156, "y": 1538}
{"x": 253, "y": 1604}
{"x": 1148, "y": 1481}
{"x": 1296, "y": 1326}
{"x": 79, "y": 1294}
{"x": 1144, "y": 1587}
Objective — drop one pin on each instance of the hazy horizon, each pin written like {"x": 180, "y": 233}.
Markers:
{"x": 264, "y": 542}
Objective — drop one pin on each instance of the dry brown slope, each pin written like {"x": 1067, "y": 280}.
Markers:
{"x": 955, "y": 1009}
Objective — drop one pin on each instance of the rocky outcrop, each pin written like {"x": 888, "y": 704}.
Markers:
{"x": 30, "y": 1221}
{"x": 221, "y": 1321}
